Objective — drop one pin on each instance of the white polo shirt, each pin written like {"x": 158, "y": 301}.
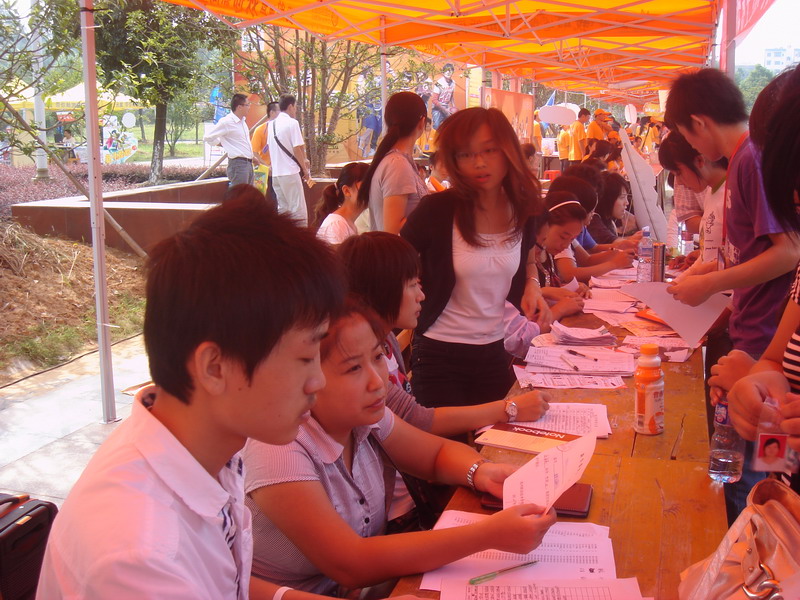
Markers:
{"x": 288, "y": 130}
{"x": 145, "y": 520}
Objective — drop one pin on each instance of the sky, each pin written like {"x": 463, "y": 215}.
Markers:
{"x": 780, "y": 26}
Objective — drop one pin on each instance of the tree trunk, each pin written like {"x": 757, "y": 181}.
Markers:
{"x": 159, "y": 135}
{"x": 141, "y": 126}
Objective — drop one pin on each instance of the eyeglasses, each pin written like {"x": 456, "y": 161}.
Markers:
{"x": 486, "y": 154}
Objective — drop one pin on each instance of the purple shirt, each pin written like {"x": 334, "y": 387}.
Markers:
{"x": 749, "y": 221}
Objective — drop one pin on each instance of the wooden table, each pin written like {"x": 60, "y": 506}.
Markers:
{"x": 654, "y": 493}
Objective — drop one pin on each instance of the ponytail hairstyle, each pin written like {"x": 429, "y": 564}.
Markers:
{"x": 333, "y": 195}
{"x": 563, "y": 208}
{"x": 403, "y": 112}
{"x": 520, "y": 184}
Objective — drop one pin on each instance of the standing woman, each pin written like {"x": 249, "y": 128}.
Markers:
{"x": 338, "y": 207}
{"x": 474, "y": 242}
{"x": 392, "y": 187}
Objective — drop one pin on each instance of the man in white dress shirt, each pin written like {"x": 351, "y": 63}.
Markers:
{"x": 233, "y": 135}
{"x": 287, "y": 152}
{"x": 158, "y": 512}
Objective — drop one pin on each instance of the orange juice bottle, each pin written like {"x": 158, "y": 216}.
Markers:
{"x": 649, "y": 382}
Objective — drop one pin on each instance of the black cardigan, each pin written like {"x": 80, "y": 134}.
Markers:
{"x": 430, "y": 230}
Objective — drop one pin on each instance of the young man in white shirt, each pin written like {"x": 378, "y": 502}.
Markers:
{"x": 233, "y": 135}
{"x": 287, "y": 152}
{"x": 236, "y": 307}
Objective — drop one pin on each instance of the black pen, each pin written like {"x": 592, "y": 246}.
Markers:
{"x": 576, "y": 353}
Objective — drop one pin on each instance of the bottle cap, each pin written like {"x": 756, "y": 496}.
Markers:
{"x": 649, "y": 349}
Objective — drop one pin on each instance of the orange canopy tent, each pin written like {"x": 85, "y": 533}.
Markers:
{"x": 622, "y": 50}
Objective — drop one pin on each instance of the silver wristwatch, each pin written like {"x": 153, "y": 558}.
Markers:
{"x": 511, "y": 410}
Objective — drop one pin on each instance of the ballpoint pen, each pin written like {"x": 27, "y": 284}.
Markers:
{"x": 576, "y": 353}
{"x": 572, "y": 365}
{"x": 493, "y": 574}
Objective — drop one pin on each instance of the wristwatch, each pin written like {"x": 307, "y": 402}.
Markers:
{"x": 511, "y": 410}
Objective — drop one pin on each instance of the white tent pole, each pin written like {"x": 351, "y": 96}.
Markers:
{"x": 730, "y": 38}
{"x": 384, "y": 84}
{"x": 96, "y": 211}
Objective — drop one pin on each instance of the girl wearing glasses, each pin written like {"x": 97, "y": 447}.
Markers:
{"x": 475, "y": 242}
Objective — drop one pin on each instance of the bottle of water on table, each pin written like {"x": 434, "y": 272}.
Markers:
{"x": 727, "y": 448}
{"x": 644, "y": 266}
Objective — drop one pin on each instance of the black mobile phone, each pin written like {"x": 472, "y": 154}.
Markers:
{"x": 574, "y": 502}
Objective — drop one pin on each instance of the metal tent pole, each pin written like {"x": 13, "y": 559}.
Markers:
{"x": 96, "y": 211}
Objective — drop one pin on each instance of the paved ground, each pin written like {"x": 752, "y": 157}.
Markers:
{"x": 50, "y": 423}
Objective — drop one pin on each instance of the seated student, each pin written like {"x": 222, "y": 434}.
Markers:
{"x": 383, "y": 270}
{"x": 438, "y": 180}
{"x": 600, "y": 151}
{"x": 159, "y": 510}
{"x": 319, "y": 504}
{"x": 338, "y": 207}
{"x": 562, "y": 224}
{"x": 531, "y": 154}
{"x": 575, "y": 261}
{"x": 611, "y": 207}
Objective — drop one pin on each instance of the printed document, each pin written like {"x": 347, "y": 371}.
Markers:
{"x": 513, "y": 586}
{"x": 566, "y": 381}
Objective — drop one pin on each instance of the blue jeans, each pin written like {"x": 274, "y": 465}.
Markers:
{"x": 448, "y": 374}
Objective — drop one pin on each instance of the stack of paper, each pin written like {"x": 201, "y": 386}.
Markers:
{"x": 582, "y": 336}
{"x": 523, "y": 588}
{"x": 568, "y": 551}
{"x": 586, "y": 361}
{"x": 566, "y": 381}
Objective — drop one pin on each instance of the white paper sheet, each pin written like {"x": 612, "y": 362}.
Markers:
{"x": 665, "y": 343}
{"x": 513, "y": 586}
{"x": 549, "y": 474}
{"x": 564, "y": 359}
{"x": 612, "y": 318}
{"x": 592, "y": 305}
{"x": 576, "y": 418}
{"x": 582, "y": 336}
{"x": 571, "y": 285}
{"x": 644, "y": 328}
{"x": 612, "y": 295}
{"x": 690, "y": 322}
{"x": 568, "y": 551}
{"x": 566, "y": 381}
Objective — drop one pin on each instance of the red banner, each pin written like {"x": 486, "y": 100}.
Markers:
{"x": 748, "y": 12}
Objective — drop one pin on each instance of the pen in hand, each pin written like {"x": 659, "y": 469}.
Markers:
{"x": 493, "y": 574}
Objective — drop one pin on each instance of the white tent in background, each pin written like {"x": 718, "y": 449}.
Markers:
{"x": 76, "y": 96}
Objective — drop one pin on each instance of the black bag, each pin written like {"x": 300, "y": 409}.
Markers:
{"x": 24, "y": 527}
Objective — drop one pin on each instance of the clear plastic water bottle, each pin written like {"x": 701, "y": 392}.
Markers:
{"x": 644, "y": 268}
{"x": 727, "y": 448}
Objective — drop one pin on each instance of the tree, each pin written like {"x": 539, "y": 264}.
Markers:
{"x": 182, "y": 115}
{"x": 149, "y": 50}
{"x": 27, "y": 63}
{"x": 752, "y": 83}
{"x": 329, "y": 80}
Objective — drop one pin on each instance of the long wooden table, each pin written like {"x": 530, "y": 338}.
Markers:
{"x": 653, "y": 492}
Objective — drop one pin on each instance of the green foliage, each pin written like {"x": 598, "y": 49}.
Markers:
{"x": 752, "y": 83}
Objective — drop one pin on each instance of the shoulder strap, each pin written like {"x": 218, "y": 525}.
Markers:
{"x": 289, "y": 154}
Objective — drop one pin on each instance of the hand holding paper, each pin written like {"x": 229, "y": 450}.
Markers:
{"x": 545, "y": 477}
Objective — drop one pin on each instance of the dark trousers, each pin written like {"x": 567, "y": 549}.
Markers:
{"x": 564, "y": 164}
{"x": 448, "y": 374}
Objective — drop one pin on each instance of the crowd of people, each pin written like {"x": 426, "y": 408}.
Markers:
{"x": 282, "y": 447}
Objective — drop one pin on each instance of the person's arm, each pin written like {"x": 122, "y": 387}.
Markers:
{"x": 567, "y": 268}
{"x": 300, "y": 154}
{"x": 394, "y": 213}
{"x": 776, "y": 260}
{"x": 452, "y": 420}
{"x": 533, "y": 304}
{"x": 692, "y": 224}
{"x": 214, "y": 136}
{"x": 303, "y": 512}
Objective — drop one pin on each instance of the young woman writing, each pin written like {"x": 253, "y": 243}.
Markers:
{"x": 319, "y": 503}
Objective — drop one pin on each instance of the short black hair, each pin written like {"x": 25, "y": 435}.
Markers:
{"x": 272, "y": 106}
{"x": 240, "y": 276}
{"x": 780, "y": 160}
{"x": 238, "y": 100}
{"x": 285, "y": 101}
{"x": 528, "y": 150}
{"x": 707, "y": 92}
{"x": 378, "y": 265}
{"x": 675, "y": 151}
{"x": 568, "y": 208}
{"x": 584, "y": 192}
{"x": 584, "y": 112}
{"x": 589, "y": 173}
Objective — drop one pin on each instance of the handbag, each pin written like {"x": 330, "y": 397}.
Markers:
{"x": 760, "y": 550}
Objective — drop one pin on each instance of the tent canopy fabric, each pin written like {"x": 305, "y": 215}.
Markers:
{"x": 622, "y": 50}
{"x": 73, "y": 98}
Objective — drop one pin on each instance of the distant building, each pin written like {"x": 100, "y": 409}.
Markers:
{"x": 777, "y": 59}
